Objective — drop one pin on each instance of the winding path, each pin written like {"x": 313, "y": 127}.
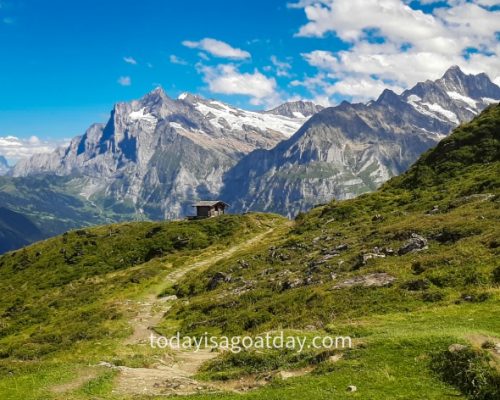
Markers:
{"x": 172, "y": 375}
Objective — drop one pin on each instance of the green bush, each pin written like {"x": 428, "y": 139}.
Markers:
{"x": 469, "y": 371}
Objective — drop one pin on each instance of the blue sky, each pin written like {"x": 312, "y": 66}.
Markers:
{"x": 61, "y": 59}
{"x": 63, "y": 64}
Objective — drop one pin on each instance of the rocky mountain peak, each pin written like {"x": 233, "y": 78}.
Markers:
{"x": 388, "y": 97}
{"x": 159, "y": 153}
{"x": 157, "y": 92}
{"x": 190, "y": 97}
{"x": 350, "y": 149}
{"x": 454, "y": 73}
{"x": 477, "y": 86}
{"x": 296, "y": 109}
{"x": 157, "y": 98}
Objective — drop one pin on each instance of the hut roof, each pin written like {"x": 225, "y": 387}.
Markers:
{"x": 209, "y": 203}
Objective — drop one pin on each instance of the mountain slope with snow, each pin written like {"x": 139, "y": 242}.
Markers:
{"x": 351, "y": 149}
{"x": 296, "y": 109}
{"x": 158, "y": 154}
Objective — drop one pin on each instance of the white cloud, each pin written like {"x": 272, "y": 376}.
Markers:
{"x": 282, "y": 67}
{"x": 360, "y": 89}
{"x": 390, "y": 44}
{"x": 203, "y": 56}
{"x": 130, "y": 60}
{"x": 217, "y": 48}
{"x": 301, "y": 3}
{"x": 14, "y": 148}
{"x": 488, "y": 3}
{"x": 177, "y": 60}
{"x": 227, "y": 79}
{"x": 124, "y": 80}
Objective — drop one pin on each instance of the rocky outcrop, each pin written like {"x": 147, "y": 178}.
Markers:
{"x": 413, "y": 244}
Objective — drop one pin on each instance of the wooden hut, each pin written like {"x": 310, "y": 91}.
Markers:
{"x": 207, "y": 209}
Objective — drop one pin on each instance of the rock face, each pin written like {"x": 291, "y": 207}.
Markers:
{"x": 157, "y": 154}
{"x": 346, "y": 150}
{"x": 296, "y": 109}
{"x": 4, "y": 166}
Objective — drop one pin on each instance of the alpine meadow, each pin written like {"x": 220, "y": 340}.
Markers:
{"x": 288, "y": 200}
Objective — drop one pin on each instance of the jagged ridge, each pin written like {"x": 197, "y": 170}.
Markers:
{"x": 350, "y": 149}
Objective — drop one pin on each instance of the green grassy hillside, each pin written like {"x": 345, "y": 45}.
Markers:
{"x": 67, "y": 294}
{"x": 348, "y": 268}
{"x": 450, "y": 198}
{"x": 406, "y": 271}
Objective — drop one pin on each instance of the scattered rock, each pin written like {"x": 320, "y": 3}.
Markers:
{"x": 279, "y": 256}
{"x": 377, "y": 217}
{"x": 328, "y": 257}
{"x": 292, "y": 283}
{"x": 471, "y": 198}
{"x": 454, "y": 348}
{"x": 371, "y": 280}
{"x": 335, "y": 358}
{"x": 475, "y": 297}
{"x": 342, "y": 247}
{"x": 434, "y": 210}
{"x": 106, "y": 364}
{"x": 416, "y": 285}
{"x": 363, "y": 258}
{"x": 388, "y": 251}
{"x": 415, "y": 243}
{"x": 217, "y": 279}
{"x": 352, "y": 388}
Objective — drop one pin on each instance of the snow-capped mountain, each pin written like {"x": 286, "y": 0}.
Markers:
{"x": 158, "y": 154}
{"x": 350, "y": 149}
{"x": 296, "y": 109}
{"x": 455, "y": 98}
{"x": 4, "y": 166}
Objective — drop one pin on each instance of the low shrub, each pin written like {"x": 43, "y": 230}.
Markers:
{"x": 469, "y": 371}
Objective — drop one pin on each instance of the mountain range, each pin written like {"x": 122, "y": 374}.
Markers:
{"x": 351, "y": 149}
{"x": 157, "y": 155}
